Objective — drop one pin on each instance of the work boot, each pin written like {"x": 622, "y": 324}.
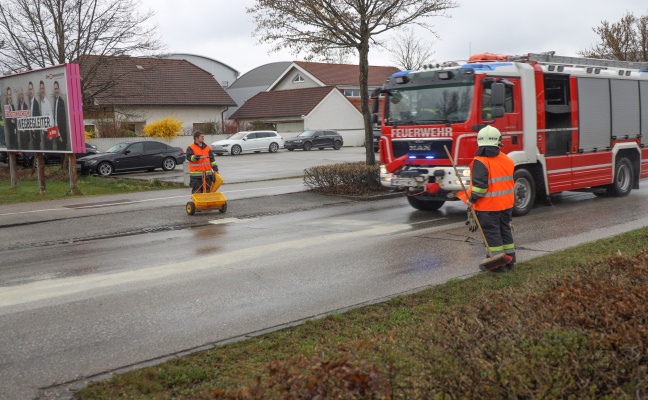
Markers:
{"x": 509, "y": 267}
{"x": 499, "y": 270}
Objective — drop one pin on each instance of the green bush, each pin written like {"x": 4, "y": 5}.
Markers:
{"x": 344, "y": 179}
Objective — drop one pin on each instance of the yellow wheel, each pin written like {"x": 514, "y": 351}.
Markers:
{"x": 191, "y": 208}
{"x": 223, "y": 208}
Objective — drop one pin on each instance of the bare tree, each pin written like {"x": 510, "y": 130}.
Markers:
{"x": 625, "y": 40}
{"x": 41, "y": 33}
{"x": 318, "y": 27}
{"x": 410, "y": 52}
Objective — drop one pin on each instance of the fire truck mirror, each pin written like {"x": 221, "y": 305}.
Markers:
{"x": 375, "y": 105}
{"x": 497, "y": 94}
{"x": 498, "y": 111}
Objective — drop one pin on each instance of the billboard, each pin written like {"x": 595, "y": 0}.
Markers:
{"x": 42, "y": 111}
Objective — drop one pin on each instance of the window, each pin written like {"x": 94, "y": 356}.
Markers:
{"x": 557, "y": 90}
{"x": 154, "y": 146}
{"x": 486, "y": 100}
{"x": 251, "y": 136}
{"x": 136, "y": 148}
{"x": 298, "y": 79}
{"x": 352, "y": 92}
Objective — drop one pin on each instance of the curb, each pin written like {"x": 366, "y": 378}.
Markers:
{"x": 372, "y": 197}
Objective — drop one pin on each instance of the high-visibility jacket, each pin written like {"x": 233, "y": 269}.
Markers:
{"x": 204, "y": 163}
{"x": 499, "y": 195}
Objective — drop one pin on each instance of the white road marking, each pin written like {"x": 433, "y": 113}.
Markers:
{"x": 55, "y": 288}
{"x": 231, "y": 220}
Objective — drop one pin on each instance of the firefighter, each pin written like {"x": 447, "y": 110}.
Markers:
{"x": 200, "y": 158}
{"x": 491, "y": 195}
{"x": 425, "y": 109}
{"x": 487, "y": 107}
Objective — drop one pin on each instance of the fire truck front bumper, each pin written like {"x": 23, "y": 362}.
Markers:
{"x": 418, "y": 179}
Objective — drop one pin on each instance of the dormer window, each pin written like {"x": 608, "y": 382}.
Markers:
{"x": 298, "y": 79}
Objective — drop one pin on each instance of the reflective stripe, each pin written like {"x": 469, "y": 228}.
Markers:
{"x": 500, "y": 179}
{"x": 204, "y": 164}
{"x": 475, "y": 189}
{"x": 509, "y": 246}
{"x": 500, "y": 193}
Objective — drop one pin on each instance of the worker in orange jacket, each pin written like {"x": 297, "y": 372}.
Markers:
{"x": 200, "y": 159}
{"x": 491, "y": 195}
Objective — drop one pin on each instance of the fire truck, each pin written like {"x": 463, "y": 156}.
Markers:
{"x": 568, "y": 123}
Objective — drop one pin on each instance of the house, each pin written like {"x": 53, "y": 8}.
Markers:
{"x": 254, "y": 81}
{"x": 126, "y": 93}
{"x": 302, "y": 97}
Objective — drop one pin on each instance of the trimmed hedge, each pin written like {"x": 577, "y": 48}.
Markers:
{"x": 355, "y": 178}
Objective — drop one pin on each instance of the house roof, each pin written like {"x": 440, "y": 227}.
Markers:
{"x": 139, "y": 81}
{"x": 282, "y": 103}
{"x": 262, "y": 76}
{"x": 341, "y": 74}
{"x": 184, "y": 56}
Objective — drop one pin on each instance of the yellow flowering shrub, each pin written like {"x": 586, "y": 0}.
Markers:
{"x": 167, "y": 128}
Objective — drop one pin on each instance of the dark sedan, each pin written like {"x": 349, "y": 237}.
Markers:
{"x": 132, "y": 156}
{"x": 27, "y": 159}
{"x": 311, "y": 138}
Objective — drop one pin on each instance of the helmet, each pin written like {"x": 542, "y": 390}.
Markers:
{"x": 489, "y": 136}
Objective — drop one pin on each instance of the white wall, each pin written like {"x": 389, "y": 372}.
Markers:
{"x": 188, "y": 115}
{"x": 290, "y": 129}
{"x": 181, "y": 141}
{"x": 352, "y": 138}
{"x": 337, "y": 113}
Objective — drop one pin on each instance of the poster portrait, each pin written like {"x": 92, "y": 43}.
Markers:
{"x": 41, "y": 110}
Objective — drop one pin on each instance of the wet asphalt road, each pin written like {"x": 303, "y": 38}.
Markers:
{"x": 94, "y": 288}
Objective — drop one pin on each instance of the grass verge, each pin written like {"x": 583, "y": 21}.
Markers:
{"x": 572, "y": 324}
{"x": 58, "y": 185}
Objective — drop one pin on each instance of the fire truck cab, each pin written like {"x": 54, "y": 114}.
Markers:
{"x": 568, "y": 123}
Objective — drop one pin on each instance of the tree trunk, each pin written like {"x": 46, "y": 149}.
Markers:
{"x": 363, "y": 51}
{"x": 40, "y": 170}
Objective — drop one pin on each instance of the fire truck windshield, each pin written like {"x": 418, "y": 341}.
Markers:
{"x": 448, "y": 103}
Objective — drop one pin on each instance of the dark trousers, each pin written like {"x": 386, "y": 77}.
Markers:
{"x": 196, "y": 183}
{"x": 497, "y": 229}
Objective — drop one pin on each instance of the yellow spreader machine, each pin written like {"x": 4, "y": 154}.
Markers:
{"x": 208, "y": 200}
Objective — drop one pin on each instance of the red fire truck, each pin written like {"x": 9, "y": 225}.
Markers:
{"x": 568, "y": 123}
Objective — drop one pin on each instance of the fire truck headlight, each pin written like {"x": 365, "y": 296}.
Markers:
{"x": 383, "y": 169}
{"x": 466, "y": 173}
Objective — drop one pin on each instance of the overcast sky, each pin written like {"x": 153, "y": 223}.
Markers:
{"x": 221, "y": 29}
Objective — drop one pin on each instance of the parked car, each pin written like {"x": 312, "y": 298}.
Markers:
{"x": 131, "y": 156}
{"x": 26, "y": 159}
{"x": 311, "y": 138}
{"x": 249, "y": 141}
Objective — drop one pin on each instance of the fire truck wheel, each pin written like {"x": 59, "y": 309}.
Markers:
{"x": 424, "y": 205}
{"x": 524, "y": 192}
{"x": 623, "y": 178}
